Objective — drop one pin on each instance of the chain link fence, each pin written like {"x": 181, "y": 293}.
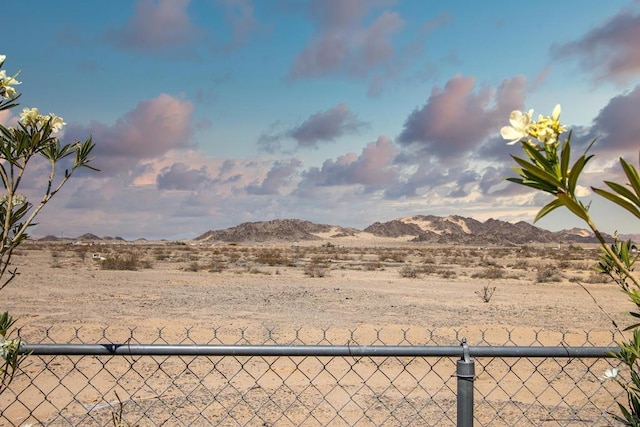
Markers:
{"x": 364, "y": 377}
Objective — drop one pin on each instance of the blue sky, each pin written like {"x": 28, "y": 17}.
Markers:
{"x": 209, "y": 113}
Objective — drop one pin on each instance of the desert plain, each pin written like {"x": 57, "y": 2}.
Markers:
{"x": 338, "y": 284}
{"x": 332, "y": 291}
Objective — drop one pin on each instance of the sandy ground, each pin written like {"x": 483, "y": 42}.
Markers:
{"x": 63, "y": 290}
{"x": 268, "y": 294}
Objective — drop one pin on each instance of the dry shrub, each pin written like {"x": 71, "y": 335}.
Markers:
{"x": 272, "y": 257}
{"x": 409, "y": 272}
{"x": 317, "y": 267}
{"x": 447, "y": 273}
{"x": 520, "y": 264}
{"x": 595, "y": 277}
{"x": 216, "y": 266}
{"x": 125, "y": 261}
{"x": 373, "y": 265}
{"x": 491, "y": 272}
{"x": 486, "y": 293}
{"x": 548, "y": 273}
{"x": 193, "y": 267}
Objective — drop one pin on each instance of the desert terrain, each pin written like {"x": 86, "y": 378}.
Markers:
{"x": 333, "y": 284}
{"x": 337, "y": 290}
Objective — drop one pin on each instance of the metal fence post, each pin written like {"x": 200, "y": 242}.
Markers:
{"x": 465, "y": 371}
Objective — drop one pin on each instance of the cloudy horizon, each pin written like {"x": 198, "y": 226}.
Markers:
{"x": 210, "y": 113}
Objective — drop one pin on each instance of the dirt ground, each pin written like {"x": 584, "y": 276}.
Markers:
{"x": 377, "y": 293}
{"x": 274, "y": 287}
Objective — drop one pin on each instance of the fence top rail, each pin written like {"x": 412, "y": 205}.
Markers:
{"x": 314, "y": 350}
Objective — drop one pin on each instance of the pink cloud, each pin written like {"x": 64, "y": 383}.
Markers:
{"x": 320, "y": 127}
{"x": 280, "y": 175}
{"x": 156, "y": 24}
{"x": 240, "y": 15}
{"x": 611, "y": 50}
{"x": 617, "y": 125}
{"x": 372, "y": 169}
{"x": 457, "y": 118}
{"x": 151, "y": 129}
{"x": 342, "y": 43}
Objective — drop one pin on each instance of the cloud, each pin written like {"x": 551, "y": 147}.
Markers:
{"x": 279, "y": 176}
{"x": 457, "y": 119}
{"x": 617, "y": 124}
{"x": 611, "y": 51}
{"x": 323, "y": 126}
{"x": 326, "y": 126}
{"x": 151, "y": 129}
{"x": 372, "y": 169}
{"x": 156, "y": 25}
{"x": 241, "y": 18}
{"x": 342, "y": 43}
{"x": 180, "y": 177}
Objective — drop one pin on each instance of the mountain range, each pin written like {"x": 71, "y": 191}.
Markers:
{"x": 419, "y": 228}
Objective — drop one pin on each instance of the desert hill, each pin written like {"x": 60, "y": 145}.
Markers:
{"x": 452, "y": 229}
{"x": 290, "y": 230}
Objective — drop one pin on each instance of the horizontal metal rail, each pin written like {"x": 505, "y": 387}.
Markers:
{"x": 313, "y": 350}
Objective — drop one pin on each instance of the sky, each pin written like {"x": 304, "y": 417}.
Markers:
{"x": 210, "y": 113}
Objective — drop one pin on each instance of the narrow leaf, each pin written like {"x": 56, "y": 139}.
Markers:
{"x": 624, "y": 192}
{"x": 549, "y": 207}
{"x": 624, "y": 203}
{"x": 573, "y": 206}
{"x": 632, "y": 175}
{"x": 538, "y": 172}
{"x": 575, "y": 172}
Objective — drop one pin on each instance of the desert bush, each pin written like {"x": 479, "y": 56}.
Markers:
{"x": 409, "y": 272}
{"x": 216, "y": 265}
{"x": 486, "y": 293}
{"x": 192, "y": 266}
{"x": 272, "y": 257}
{"x": 491, "y": 272}
{"x": 520, "y": 264}
{"x": 447, "y": 273}
{"x": 317, "y": 267}
{"x": 160, "y": 254}
{"x": 372, "y": 265}
{"x": 563, "y": 264}
{"x": 428, "y": 269}
{"x": 121, "y": 261}
{"x": 548, "y": 273}
{"x": 596, "y": 277}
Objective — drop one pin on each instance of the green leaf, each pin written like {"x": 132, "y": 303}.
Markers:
{"x": 573, "y": 206}
{"x": 538, "y": 172}
{"x": 632, "y": 175}
{"x": 549, "y": 207}
{"x": 565, "y": 154}
{"x": 624, "y": 192}
{"x": 622, "y": 202}
{"x": 575, "y": 172}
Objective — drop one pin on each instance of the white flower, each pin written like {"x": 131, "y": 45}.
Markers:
{"x": 610, "y": 374}
{"x": 555, "y": 115}
{"x": 55, "y": 122}
{"x": 6, "y": 83}
{"x": 2, "y": 58}
{"x": 520, "y": 123}
{"x": 29, "y": 116}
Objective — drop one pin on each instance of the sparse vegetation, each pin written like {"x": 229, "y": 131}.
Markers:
{"x": 125, "y": 261}
{"x": 409, "y": 272}
{"x": 548, "y": 273}
{"x": 486, "y": 293}
{"x": 317, "y": 267}
{"x": 490, "y": 272}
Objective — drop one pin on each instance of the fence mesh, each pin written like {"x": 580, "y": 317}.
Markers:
{"x": 306, "y": 390}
